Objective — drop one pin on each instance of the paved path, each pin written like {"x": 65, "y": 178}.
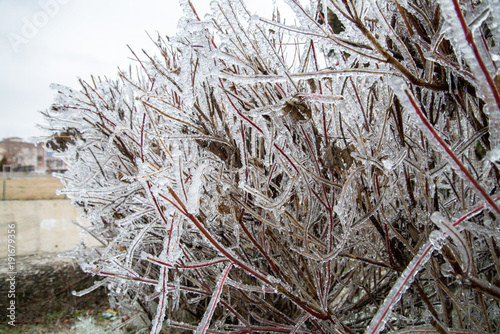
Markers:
{"x": 41, "y": 226}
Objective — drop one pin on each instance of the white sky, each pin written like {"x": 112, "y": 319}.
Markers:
{"x": 57, "y": 41}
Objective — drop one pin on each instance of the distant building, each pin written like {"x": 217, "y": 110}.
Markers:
{"x": 53, "y": 164}
{"x": 20, "y": 156}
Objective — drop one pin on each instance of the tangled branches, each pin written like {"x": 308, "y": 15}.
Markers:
{"x": 337, "y": 175}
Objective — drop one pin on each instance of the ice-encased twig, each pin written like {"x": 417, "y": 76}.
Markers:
{"x": 157, "y": 323}
{"x": 207, "y": 317}
{"x": 409, "y": 99}
{"x": 404, "y": 281}
{"x": 96, "y": 285}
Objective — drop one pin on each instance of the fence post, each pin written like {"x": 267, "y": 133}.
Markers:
{"x": 3, "y": 192}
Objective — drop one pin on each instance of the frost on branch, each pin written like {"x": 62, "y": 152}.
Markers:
{"x": 280, "y": 175}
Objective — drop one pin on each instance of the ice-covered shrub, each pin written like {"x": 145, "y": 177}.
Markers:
{"x": 332, "y": 172}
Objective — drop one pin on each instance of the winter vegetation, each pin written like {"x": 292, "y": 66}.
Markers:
{"x": 332, "y": 172}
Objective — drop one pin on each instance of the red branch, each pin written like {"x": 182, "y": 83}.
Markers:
{"x": 470, "y": 39}
{"x": 450, "y": 152}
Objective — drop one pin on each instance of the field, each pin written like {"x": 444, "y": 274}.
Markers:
{"x": 30, "y": 188}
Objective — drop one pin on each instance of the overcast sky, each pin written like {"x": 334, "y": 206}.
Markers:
{"x": 57, "y": 41}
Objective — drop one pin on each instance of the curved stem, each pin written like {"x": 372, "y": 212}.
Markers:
{"x": 391, "y": 60}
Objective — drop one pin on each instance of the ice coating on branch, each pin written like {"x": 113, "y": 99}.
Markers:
{"x": 96, "y": 285}
{"x": 448, "y": 229}
{"x": 216, "y": 295}
{"x": 478, "y": 58}
{"x": 162, "y": 302}
{"x": 403, "y": 283}
{"x": 409, "y": 102}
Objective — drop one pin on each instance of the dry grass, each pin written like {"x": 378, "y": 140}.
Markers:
{"x": 30, "y": 189}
